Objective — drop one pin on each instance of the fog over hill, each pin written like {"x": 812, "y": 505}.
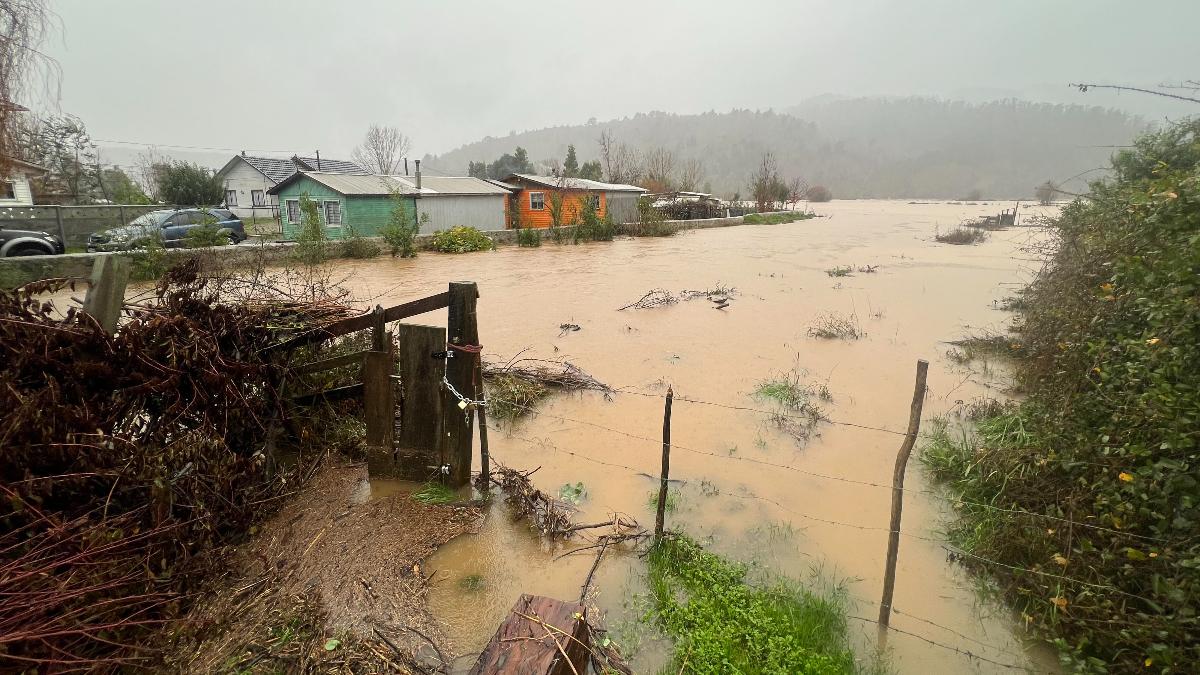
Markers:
{"x": 859, "y": 147}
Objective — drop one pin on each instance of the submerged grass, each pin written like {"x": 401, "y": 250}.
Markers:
{"x": 435, "y": 493}
{"x": 835, "y": 326}
{"x": 961, "y": 236}
{"x": 798, "y": 415}
{"x": 720, "y": 623}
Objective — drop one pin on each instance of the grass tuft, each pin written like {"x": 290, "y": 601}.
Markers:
{"x": 722, "y": 624}
{"x": 961, "y": 236}
{"x": 835, "y": 326}
{"x": 435, "y": 493}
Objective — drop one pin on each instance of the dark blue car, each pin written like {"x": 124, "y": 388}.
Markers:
{"x": 170, "y": 226}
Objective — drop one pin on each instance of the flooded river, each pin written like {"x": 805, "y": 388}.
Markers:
{"x": 922, "y": 295}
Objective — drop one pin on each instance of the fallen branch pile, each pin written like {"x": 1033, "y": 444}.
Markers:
{"x": 514, "y": 387}
{"x": 125, "y": 456}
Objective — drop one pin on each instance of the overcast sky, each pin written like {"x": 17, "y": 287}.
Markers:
{"x": 312, "y": 74}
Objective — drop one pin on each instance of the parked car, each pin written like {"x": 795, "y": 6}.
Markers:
{"x": 28, "y": 242}
{"x": 171, "y": 225}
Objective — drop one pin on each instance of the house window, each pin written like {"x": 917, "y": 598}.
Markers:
{"x": 231, "y": 198}
{"x": 594, "y": 200}
{"x": 333, "y": 214}
{"x": 537, "y": 201}
{"x": 257, "y": 198}
{"x": 8, "y": 189}
{"x": 293, "y": 210}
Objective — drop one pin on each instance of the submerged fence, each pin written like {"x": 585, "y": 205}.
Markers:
{"x": 892, "y": 527}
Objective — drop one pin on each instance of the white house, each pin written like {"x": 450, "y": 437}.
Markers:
{"x": 14, "y": 188}
{"x": 248, "y": 180}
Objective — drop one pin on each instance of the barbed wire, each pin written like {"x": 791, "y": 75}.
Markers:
{"x": 547, "y": 444}
{"x": 953, "y": 501}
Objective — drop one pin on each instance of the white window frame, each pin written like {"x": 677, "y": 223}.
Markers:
{"x": 258, "y": 198}
{"x": 325, "y": 212}
{"x": 289, "y": 204}
{"x": 228, "y": 201}
{"x": 542, "y": 196}
{"x": 12, "y": 187}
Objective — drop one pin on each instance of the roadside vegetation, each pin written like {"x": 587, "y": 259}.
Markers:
{"x": 1103, "y": 454}
{"x": 722, "y": 623}
{"x": 776, "y": 218}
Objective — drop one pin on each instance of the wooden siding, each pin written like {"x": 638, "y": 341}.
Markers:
{"x": 366, "y": 214}
{"x": 23, "y": 195}
{"x": 571, "y": 205}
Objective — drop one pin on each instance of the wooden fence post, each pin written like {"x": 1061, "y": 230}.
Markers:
{"x": 421, "y": 381}
{"x": 910, "y": 439}
{"x": 106, "y": 294}
{"x": 485, "y": 460}
{"x": 660, "y": 515}
{"x": 379, "y": 405}
{"x": 462, "y": 333}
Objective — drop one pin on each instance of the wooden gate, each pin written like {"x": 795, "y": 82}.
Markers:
{"x": 436, "y": 377}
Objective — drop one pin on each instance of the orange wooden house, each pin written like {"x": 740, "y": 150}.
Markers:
{"x": 532, "y": 198}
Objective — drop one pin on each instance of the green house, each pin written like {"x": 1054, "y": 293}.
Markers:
{"x": 358, "y": 201}
{"x": 365, "y": 202}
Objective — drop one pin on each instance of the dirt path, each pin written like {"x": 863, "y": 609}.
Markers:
{"x": 332, "y": 583}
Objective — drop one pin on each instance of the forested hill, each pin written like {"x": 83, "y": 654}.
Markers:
{"x": 865, "y": 147}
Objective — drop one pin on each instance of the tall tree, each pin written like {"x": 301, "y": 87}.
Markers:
{"x": 764, "y": 184}
{"x": 23, "y": 66}
{"x": 621, "y": 162}
{"x": 477, "y": 169}
{"x": 660, "y": 171}
{"x": 188, "y": 184}
{"x": 61, "y": 144}
{"x": 691, "y": 175}
{"x": 591, "y": 170}
{"x": 571, "y": 163}
{"x": 382, "y": 150}
{"x": 120, "y": 188}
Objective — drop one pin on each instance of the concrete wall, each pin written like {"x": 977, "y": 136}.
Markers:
{"x": 78, "y": 221}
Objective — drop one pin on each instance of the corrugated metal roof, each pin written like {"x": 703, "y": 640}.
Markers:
{"x": 432, "y": 186}
{"x": 368, "y": 184}
{"x": 576, "y": 183}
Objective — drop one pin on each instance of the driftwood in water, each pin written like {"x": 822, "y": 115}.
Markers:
{"x": 546, "y": 372}
{"x": 540, "y": 635}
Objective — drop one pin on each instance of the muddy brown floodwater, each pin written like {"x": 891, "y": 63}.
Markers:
{"x": 922, "y": 295}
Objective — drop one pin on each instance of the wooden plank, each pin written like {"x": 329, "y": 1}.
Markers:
{"x": 379, "y": 405}
{"x": 462, "y": 331}
{"x": 365, "y": 321}
{"x": 421, "y": 386}
{"x": 540, "y": 636}
{"x": 351, "y": 359}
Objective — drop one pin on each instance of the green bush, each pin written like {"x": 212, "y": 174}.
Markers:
{"x": 650, "y": 223}
{"x": 529, "y": 237}
{"x": 312, "y": 244}
{"x": 461, "y": 239}
{"x": 206, "y": 235}
{"x": 1107, "y": 435}
{"x": 401, "y": 230}
{"x": 354, "y": 245}
{"x": 589, "y": 226}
